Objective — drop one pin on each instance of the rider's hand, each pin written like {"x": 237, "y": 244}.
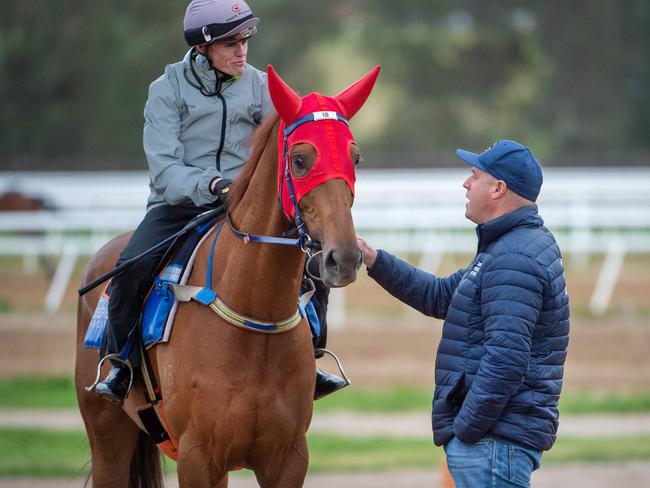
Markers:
{"x": 369, "y": 254}
{"x": 220, "y": 187}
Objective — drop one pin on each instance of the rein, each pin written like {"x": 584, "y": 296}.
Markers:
{"x": 246, "y": 237}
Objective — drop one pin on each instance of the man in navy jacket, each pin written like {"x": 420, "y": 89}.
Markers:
{"x": 500, "y": 361}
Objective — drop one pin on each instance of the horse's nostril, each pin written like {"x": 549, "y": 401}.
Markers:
{"x": 330, "y": 260}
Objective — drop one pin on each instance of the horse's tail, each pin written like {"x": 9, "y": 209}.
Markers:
{"x": 146, "y": 471}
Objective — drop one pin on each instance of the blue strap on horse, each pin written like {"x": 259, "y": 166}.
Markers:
{"x": 200, "y": 221}
{"x": 207, "y": 295}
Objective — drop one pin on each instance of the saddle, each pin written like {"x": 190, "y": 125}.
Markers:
{"x": 159, "y": 306}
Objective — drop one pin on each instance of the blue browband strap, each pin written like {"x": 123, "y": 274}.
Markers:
{"x": 303, "y": 241}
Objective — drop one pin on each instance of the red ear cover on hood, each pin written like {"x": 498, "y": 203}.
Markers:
{"x": 353, "y": 97}
{"x": 330, "y": 137}
{"x": 285, "y": 100}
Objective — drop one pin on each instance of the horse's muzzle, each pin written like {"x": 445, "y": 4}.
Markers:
{"x": 339, "y": 268}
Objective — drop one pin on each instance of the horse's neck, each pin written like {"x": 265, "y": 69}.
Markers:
{"x": 260, "y": 280}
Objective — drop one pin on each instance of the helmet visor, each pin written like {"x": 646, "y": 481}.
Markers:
{"x": 222, "y": 32}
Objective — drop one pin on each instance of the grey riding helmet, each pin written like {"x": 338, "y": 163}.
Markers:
{"x": 207, "y": 21}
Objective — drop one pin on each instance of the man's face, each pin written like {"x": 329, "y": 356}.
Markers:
{"x": 480, "y": 188}
{"x": 229, "y": 58}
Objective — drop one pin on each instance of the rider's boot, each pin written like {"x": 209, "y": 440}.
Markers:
{"x": 116, "y": 385}
{"x": 327, "y": 383}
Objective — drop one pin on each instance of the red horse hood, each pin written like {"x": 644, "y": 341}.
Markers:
{"x": 330, "y": 136}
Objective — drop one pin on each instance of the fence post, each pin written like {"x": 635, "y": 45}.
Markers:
{"x": 336, "y": 308}
{"x": 608, "y": 277}
{"x": 61, "y": 278}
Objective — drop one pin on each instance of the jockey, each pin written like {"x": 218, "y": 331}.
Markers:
{"x": 198, "y": 115}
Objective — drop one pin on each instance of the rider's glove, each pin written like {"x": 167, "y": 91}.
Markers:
{"x": 220, "y": 187}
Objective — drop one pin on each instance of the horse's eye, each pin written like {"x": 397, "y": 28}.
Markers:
{"x": 298, "y": 162}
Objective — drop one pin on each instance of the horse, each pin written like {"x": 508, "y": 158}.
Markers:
{"x": 15, "y": 201}
{"x": 236, "y": 398}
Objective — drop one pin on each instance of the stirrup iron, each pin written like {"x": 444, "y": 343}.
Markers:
{"x": 114, "y": 357}
{"x": 338, "y": 363}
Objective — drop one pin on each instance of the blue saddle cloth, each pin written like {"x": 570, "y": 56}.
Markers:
{"x": 160, "y": 301}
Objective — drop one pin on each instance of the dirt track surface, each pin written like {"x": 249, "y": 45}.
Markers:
{"x": 627, "y": 475}
{"x": 604, "y": 354}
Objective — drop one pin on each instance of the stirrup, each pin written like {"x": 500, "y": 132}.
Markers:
{"x": 114, "y": 357}
{"x": 320, "y": 350}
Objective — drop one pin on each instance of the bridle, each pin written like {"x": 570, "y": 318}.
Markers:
{"x": 306, "y": 244}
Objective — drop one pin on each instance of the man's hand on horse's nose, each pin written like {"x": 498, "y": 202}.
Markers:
{"x": 369, "y": 253}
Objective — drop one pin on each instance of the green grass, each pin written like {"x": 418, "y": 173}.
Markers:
{"x": 599, "y": 449}
{"x": 59, "y": 393}
{"x": 37, "y": 393}
{"x": 586, "y": 403}
{"x": 403, "y": 399}
{"x": 329, "y": 453}
{"x": 397, "y": 399}
{"x": 34, "y": 453}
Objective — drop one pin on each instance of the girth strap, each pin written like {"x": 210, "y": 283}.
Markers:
{"x": 185, "y": 293}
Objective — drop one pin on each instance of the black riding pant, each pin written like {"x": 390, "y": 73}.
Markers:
{"x": 128, "y": 289}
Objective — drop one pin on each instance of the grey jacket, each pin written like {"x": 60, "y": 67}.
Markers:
{"x": 183, "y": 130}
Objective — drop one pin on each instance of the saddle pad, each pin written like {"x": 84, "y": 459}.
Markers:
{"x": 160, "y": 306}
{"x": 159, "y": 302}
{"x": 97, "y": 326}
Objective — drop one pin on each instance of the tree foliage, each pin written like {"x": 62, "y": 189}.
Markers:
{"x": 571, "y": 79}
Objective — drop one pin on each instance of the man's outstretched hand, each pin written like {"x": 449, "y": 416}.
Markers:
{"x": 369, "y": 254}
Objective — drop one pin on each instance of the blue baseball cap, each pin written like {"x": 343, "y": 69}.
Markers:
{"x": 511, "y": 162}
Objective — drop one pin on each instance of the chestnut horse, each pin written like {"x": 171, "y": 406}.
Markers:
{"x": 232, "y": 397}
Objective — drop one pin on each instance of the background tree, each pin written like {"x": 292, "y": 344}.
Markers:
{"x": 569, "y": 78}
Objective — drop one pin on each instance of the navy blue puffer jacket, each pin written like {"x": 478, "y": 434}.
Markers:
{"x": 504, "y": 341}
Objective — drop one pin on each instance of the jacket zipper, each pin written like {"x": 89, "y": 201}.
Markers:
{"x": 223, "y": 121}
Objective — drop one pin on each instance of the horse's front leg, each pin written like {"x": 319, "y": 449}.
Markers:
{"x": 286, "y": 468}
{"x": 195, "y": 466}
{"x": 113, "y": 438}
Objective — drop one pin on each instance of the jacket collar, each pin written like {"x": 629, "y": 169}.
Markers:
{"x": 202, "y": 68}
{"x": 490, "y": 231}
